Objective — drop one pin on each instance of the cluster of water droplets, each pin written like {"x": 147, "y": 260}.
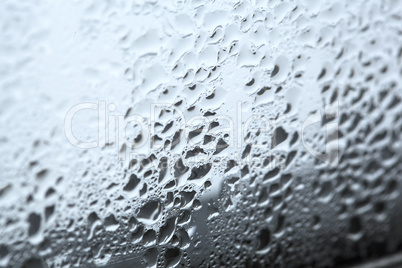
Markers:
{"x": 237, "y": 186}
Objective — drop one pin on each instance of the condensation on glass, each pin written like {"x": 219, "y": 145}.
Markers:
{"x": 217, "y": 133}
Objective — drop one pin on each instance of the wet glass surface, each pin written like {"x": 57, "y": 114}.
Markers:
{"x": 200, "y": 133}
